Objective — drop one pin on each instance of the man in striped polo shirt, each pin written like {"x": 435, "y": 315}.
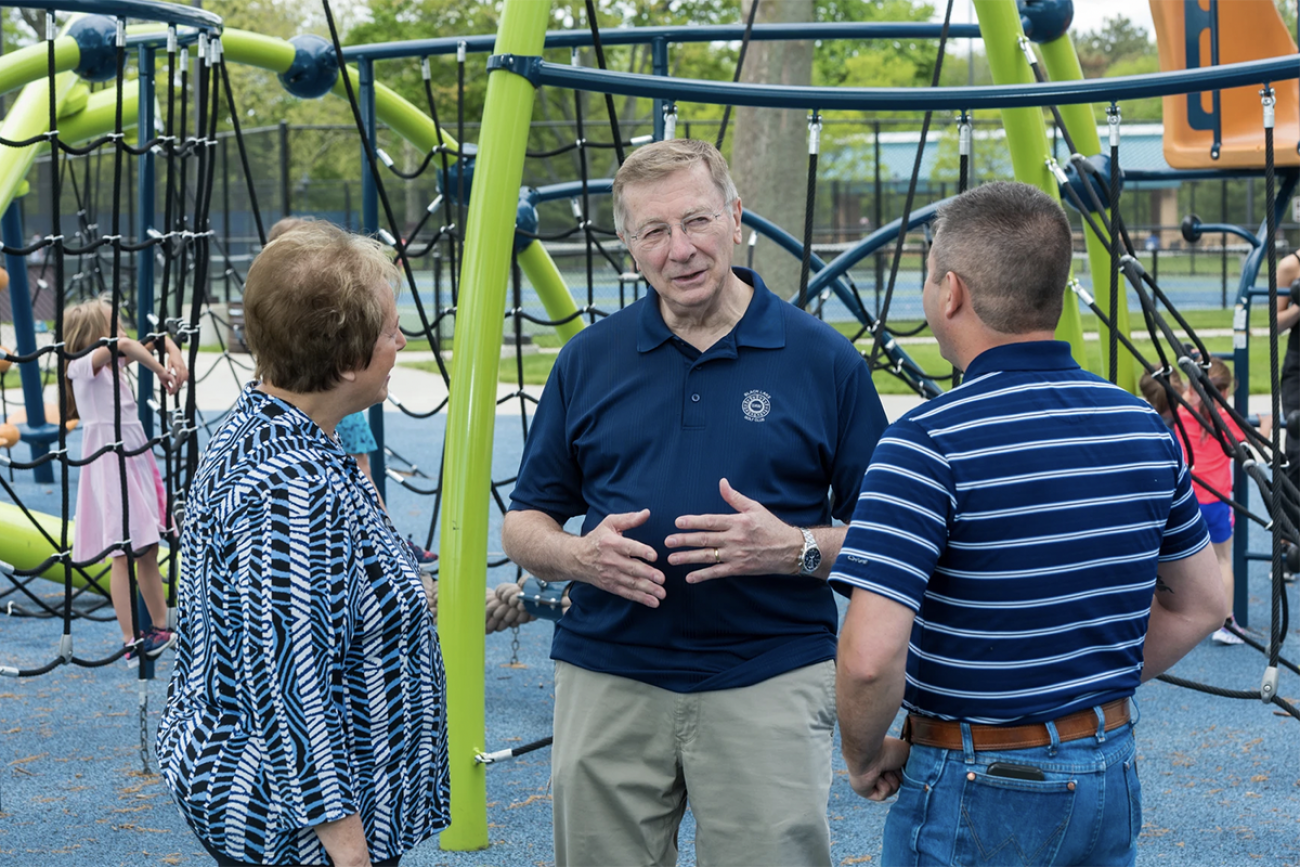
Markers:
{"x": 1025, "y": 552}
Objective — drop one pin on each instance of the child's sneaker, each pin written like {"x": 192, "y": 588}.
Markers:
{"x": 154, "y": 642}
{"x": 423, "y": 559}
{"x": 1223, "y": 636}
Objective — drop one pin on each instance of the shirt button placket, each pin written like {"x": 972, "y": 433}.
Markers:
{"x": 693, "y": 406}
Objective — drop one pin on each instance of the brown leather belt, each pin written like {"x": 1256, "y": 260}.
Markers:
{"x": 931, "y": 732}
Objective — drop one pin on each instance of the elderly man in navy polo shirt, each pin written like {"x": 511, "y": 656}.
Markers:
{"x": 1029, "y": 551}
{"x": 709, "y": 433}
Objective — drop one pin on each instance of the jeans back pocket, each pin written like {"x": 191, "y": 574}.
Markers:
{"x": 1007, "y": 821}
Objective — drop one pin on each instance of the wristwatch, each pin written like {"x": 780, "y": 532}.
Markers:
{"x": 811, "y": 556}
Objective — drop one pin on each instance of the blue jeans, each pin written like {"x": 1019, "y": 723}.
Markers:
{"x": 1087, "y": 809}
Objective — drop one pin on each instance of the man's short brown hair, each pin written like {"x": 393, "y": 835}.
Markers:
{"x": 311, "y": 311}
{"x": 660, "y": 159}
{"x": 1012, "y": 244}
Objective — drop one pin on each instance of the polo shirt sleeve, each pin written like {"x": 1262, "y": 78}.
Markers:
{"x": 290, "y": 553}
{"x": 1185, "y": 530}
{"x": 861, "y": 422}
{"x": 900, "y": 525}
{"x": 550, "y": 479}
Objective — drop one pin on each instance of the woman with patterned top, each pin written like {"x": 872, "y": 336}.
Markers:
{"x": 305, "y": 721}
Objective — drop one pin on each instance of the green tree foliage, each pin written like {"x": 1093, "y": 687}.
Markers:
{"x": 1117, "y": 40}
{"x": 837, "y": 63}
{"x": 323, "y": 156}
{"x": 1287, "y": 9}
{"x": 1149, "y": 110}
{"x": 860, "y": 63}
{"x": 317, "y": 159}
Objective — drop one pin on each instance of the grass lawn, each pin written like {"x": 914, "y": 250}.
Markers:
{"x": 926, "y": 356}
{"x": 537, "y": 367}
{"x": 12, "y": 379}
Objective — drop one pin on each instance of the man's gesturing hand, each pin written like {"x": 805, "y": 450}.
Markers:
{"x": 620, "y": 565}
{"x": 752, "y": 541}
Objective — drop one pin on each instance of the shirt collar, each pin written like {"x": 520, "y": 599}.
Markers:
{"x": 256, "y": 402}
{"x": 761, "y": 327}
{"x": 1026, "y": 355}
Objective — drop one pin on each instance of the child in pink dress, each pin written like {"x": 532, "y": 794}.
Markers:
{"x": 99, "y": 489}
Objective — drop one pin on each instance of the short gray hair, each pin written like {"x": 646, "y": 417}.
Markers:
{"x": 660, "y": 159}
{"x": 1011, "y": 243}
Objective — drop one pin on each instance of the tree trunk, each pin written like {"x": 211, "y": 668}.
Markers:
{"x": 769, "y": 151}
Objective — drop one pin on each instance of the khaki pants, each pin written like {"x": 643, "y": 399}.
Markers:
{"x": 754, "y": 764}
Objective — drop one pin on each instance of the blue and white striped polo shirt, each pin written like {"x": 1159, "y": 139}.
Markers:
{"x": 1021, "y": 517}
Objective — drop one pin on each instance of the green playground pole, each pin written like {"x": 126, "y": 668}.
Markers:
{"x": 1061, "y": 62}
{"x": 542, "y": 273}
{"x": 999, "y": 22}
{"x": 471, "y": 415}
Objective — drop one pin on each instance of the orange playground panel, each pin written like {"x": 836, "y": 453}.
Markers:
{"x": 1224, "y": 129}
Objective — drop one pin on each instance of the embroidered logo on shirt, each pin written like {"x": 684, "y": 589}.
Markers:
{"x": 756, "y": 405}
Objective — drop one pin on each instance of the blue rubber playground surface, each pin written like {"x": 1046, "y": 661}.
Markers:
{"x": 1220, "y": 777}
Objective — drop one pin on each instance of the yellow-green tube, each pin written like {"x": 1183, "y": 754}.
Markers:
{"x": 1026, "y": 136}
{"x": 29, "y": 117}
{"x": 32, "y": 63}
{"x": 402, "y": 117}
{"x": 255, "y": 49}
{"x": 99, "y": 115}
{"x": 1062, "y": 64}
{"x": 471, "y": 415}
{"x": 276, "y": 55}
{"x": 542, "y": 273}
{"x": 24, "y": 546}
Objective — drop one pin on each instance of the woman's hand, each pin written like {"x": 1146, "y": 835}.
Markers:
{"x": 345, "y": 841}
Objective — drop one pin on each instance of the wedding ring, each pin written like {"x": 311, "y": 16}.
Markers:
{"x": 717, "y": 558}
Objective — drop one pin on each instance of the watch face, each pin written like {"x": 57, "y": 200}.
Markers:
{"x": 811, "y": 560}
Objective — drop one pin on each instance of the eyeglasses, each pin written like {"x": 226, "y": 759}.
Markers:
{"x": 656, "y": 236}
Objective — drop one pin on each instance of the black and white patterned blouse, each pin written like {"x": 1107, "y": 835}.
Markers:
{"x": 308, "y": 683}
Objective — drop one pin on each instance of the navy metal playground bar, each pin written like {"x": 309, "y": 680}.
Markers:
{"x": 659, "y": 39}
{"x": 150, "y": 10}
{"x": 1106, "y": 90}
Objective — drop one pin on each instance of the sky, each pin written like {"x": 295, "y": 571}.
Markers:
{"x": 1088, "y": 14}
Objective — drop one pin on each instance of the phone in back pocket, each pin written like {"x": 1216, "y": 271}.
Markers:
{"x": 1015, "y": 772}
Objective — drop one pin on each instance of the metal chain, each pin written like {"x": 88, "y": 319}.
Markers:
{"x": 144, "y": 724}
{"x": 514, "y": 646}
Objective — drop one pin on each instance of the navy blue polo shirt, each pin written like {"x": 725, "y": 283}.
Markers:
{"x": 1021, "y": 516}
{"x": 633, "y": 417}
